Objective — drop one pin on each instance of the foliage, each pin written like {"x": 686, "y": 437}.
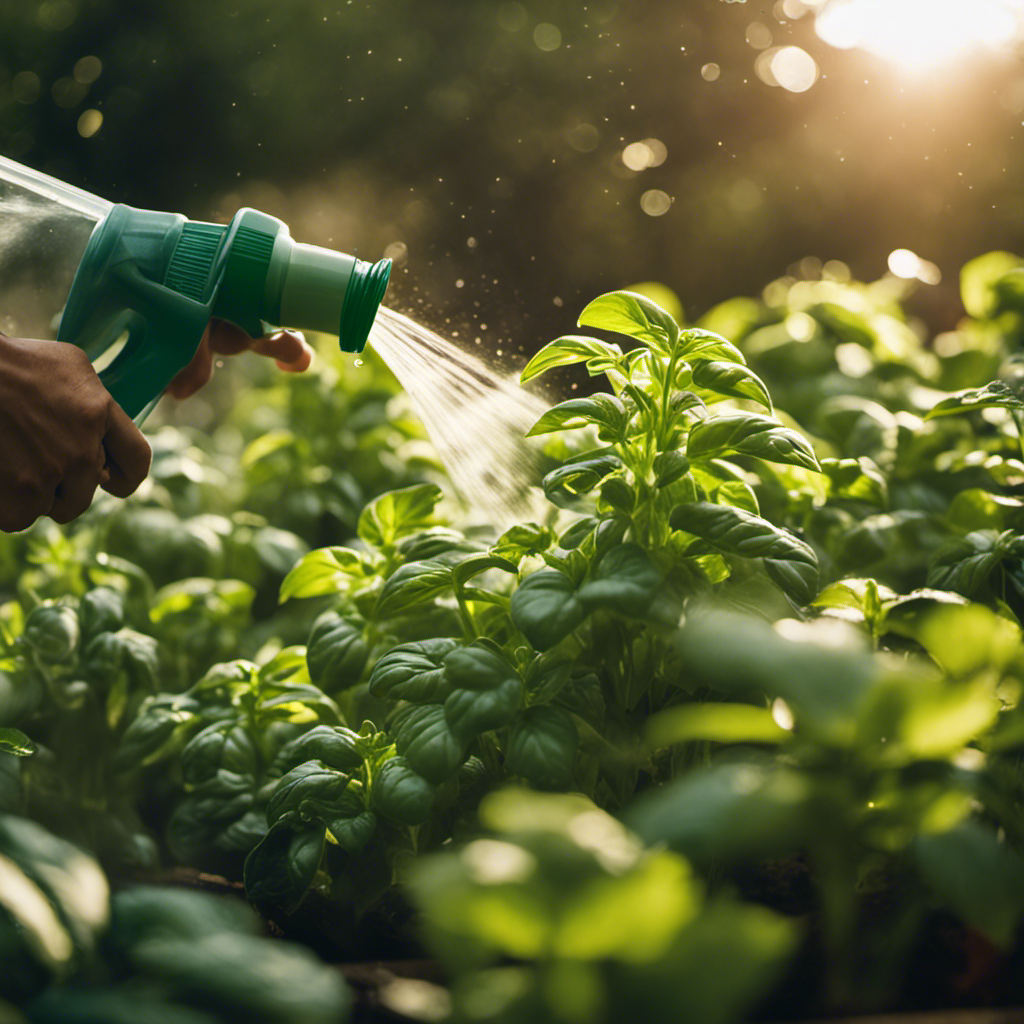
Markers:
{"x": 768, "y": 641}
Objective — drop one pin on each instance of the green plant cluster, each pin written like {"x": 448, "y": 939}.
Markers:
{"x": 747, "y": 693}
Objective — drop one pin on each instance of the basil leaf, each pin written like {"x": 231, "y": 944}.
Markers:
{"x": 281, "y": 868}
{"x": 326, "y": 571}
{"x": 564, "y": 485}
{"x": 545, "y": 608}
{"x": 52, "y": 632}
{"x": 701, "y": 344}
{"x": 606, "y": 412}
{"x": 402, "y": 794}
{"x": 425, "y": 739}
{"x": 733, "y": 380}
{"x": 566, "y": 351}
{"x": 790, "y": 562}
{"x": 631, "y": 314}
{"x": 965, "y": 564}
{"x": 14, "y": 741}
{"x": 748, "y": 433}
{"x": 413, "y": 672}
{"x": 397, "y": 513}
{"x": 336, "y": 653}
{"x": 998, "y": 394}
{"x": 542, "y": 746}
{"x": 471, "y": 712}
{"x": 625, "y": 581}
{"x": 856, "y": 480}
{"x": 414, "y": 584}
{"x": 477, "y": 667}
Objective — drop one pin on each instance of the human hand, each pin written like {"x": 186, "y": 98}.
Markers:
{"x": 61, "y": 435}
{"x": 222, "y": 338}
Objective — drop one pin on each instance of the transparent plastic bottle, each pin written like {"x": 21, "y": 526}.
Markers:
{"x": 45, "y": 226}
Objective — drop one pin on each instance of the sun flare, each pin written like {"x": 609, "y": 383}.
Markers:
{"x": 921, "y": 34}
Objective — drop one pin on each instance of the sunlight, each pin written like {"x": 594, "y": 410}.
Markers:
{"x": 920, "y": 34}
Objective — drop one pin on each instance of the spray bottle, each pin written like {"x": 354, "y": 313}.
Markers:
{"x": 135, "y": 289}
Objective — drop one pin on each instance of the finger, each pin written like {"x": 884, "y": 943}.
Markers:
{"x": 196, "y": 375}
{"x": 23, "y": 508}
{"x": 227, "y": 339}
{"x": 77, "y": 490}
{"x": 128, "y": 453}
{"x": 289, "y": 348}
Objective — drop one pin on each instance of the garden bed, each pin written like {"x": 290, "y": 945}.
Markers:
{"x": 732, "y": 732}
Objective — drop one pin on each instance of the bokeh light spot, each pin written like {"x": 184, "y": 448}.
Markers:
{"x": 711, "y": 72}
{"x": 56, "y": 15}
{"x": 547, "y": 37}
{"x": 637, "y": 156}
{"x": 908, "y": 265}
{"x": 759, "y": 36}
{"x": 90, "y": 123}
{"x": 655, "y": 203}
{"x": 794, "y": 69}
{"x": 88, "y": 69}
{"x": 512, "y": 17}
{"x": 583, "y": 137}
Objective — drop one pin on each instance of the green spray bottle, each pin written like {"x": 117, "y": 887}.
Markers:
{"x": 135, "y": 289}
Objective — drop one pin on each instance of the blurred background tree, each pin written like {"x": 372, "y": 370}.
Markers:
{"x": 516, "y": 157}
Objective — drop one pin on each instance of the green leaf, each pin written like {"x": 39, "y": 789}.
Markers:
{"x": 790, "y": 562}
{"x": 425, "y": 739}
{"x": 820, "y": 669}
{"x": 336, "y": 653}
{"x": 632, "y": 314}
{"x": 14, "y": 741}
{"x": 732, "y": 812}
{"x": 413, "y": 672}
{"x": 281, "y": 868}
{"x": 625, "y": 581}
{"x": 478, "y": 667}
{"x": 856, "y": 480}
{"x": 521, "y": 540}
{"x": 606, "y": 412}
{"x": 732, "y": 380}
{"x": 402, "y": 794}
{"x": 397, "y": 513}
{"x": 564, "y": 485}
{"x": 721, "y": 723}
{"x": 335, "y": 745}
{"x": 701, "y": 344}
{"x": 566, "y": 351}
{"x": 979, "y": 282}
{"x": 545, "y": 608}
{"x": 464, "y": 570}
{"x": 738, "y": 494}
{"x": 309, "y": 781}
{"x": 542, "y": 746}
{"x": 633, "y": 916}
{"x": 413, "y": 585}
{"x": 964, "y": 565}
{"x": 670, "y": 466}
{"x": 977, "y": 877}
{"x": 996, "y": 395}
{"x": 471, "y": 712}
{"x": 617, "y": 493}
{"x": 102, "y": 610}
{"x": 748, "y": 433}
{"x": 326, "y": 571}
{"x": 52, "y": 631}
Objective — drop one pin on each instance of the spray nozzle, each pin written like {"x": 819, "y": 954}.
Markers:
{"x": 149, "y": 282}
